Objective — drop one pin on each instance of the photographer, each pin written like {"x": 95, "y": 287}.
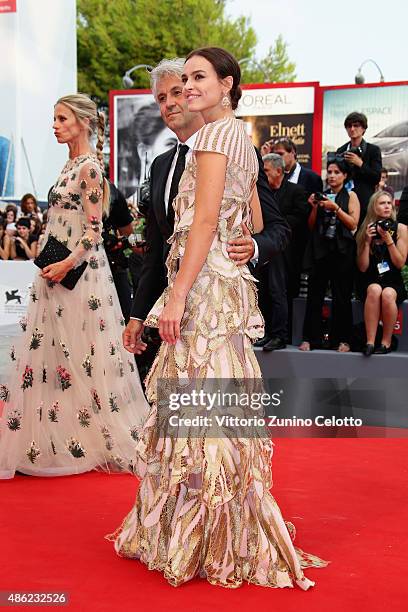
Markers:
{"x": 363, "y": 159}
{"x": 119, "y": 221}
{"x": 330, "y": 256}
{"x": 381, "y": 253}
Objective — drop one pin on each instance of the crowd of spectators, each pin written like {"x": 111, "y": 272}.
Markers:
{"x": 21, "y": 229}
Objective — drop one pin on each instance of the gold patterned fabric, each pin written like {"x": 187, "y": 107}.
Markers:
{"x": 204, "y": 507}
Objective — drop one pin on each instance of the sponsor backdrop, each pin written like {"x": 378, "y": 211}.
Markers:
{"x": 386, "y": 107}
{"x": 280, "y": 112}
{"x": 38, "y": 44}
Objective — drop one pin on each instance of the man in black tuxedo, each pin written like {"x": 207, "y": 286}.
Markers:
{"x": 365, "y": 161}
{"x": 294, "y": 172}
{"x": 279, "y": 279}
{"x": 165, "y": 173}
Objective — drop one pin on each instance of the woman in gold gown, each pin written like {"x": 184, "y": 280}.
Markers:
{"x": 204, "y": 507}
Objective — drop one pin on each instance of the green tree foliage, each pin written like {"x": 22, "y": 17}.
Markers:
{"x": 114, "y": 35}
{"x": 274, "y": 68}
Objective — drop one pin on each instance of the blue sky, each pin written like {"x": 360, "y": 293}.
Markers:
{"x": 328, "y": 41}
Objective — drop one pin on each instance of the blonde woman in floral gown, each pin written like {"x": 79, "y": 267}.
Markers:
{"x": 204, "y": 507}
{"x": 73, "y": 401}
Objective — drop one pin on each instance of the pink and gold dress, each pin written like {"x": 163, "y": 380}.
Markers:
{"x": 204, "y": 507}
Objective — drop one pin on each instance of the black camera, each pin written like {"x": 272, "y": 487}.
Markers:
{"x": 318, "y": 196}
{"x": 385, "y": 224}
{"x": 357, "y": 150}
{"x": 143, "y": 202}
{"x": 328, "y": 225}
{"x": 115, "y": 247}
{"x": 339, "y": 158}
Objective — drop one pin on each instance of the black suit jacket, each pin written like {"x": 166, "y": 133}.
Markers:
{"x": 310, "y": 181}
{"x": 292, "y": 202}
{"x": 368, "y": 176}
{"x": 273, "y": 239}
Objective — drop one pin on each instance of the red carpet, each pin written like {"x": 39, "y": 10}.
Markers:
{"x": 347, "y": 498}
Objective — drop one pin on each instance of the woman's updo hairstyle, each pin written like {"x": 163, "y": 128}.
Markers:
{"x": 225, "y": 65}
{"x": 84, "y": 108}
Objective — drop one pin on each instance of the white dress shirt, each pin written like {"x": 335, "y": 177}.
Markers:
{"x": 294, "y": 178}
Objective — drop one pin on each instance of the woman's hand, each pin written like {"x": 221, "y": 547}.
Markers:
{"x": 384, "y": 234}
{"x": 57, "y": 271}
{"x": 170, "y": 319}
{"x": 370, "y": 233}
{"x": 312, "y": 201}
{"x": 329, "y": 205}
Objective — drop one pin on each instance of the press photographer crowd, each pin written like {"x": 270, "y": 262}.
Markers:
{"x": 347, "y": 239}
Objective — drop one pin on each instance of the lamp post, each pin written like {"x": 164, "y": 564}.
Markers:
{"x": 360, "y": 79}
{"x": 249, "y": 60}
{"x": 127, "y": 80}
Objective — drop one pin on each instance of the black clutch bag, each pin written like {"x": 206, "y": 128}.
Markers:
{"x": 55, "y": 251}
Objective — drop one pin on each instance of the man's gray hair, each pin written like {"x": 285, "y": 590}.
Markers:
{"x": 275, "y": 160}
{"x": 165, "y": 68}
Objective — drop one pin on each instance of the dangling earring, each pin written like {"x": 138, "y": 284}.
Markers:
{"x": 225, "y": 101}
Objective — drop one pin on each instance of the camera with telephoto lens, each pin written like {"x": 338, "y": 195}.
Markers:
{"x": 329, "y": 222}
{"x": 385, "y": 224}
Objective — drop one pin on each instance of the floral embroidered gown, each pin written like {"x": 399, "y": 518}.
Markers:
{"x": 73, "y": 399}
{"x": 204, "y": 507}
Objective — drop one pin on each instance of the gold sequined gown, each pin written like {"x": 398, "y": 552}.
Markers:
{"x": 204, "y": 507}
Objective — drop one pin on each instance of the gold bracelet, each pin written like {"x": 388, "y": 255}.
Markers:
{"x": 388, "y": 245}
{"x": 338, "y": 209}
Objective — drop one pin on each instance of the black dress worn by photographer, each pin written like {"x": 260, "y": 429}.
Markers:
{"x": 379, "y": 254}
{"x": 330, "y": 256}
